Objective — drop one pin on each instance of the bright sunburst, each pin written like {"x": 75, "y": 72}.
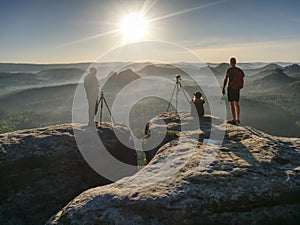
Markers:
{"x": 134, "y": 27}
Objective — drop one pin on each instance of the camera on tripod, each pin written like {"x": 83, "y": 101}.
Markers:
{"x": 178, "y": 78}
{"x": 177, "y": 88}
{"x": 101, "y": 101}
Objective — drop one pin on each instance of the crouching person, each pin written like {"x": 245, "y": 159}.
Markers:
{"x": 197, "y": 109}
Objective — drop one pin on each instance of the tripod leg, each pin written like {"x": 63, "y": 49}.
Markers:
{"x": 179, "y": 87}
{"x": 108, "y": 110}
{"x": 101, "y": 109}
{"x": 186, "y": 95}
{"x": 176, "y": 99}
{"x": 171, "y": 97}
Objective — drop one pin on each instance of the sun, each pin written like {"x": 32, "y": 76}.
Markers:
{"x": 134, "y": 27}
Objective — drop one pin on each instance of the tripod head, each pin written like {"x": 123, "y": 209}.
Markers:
{"x": 177, "y": 78}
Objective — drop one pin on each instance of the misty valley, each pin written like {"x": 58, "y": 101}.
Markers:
{"x": 34, "y": 95}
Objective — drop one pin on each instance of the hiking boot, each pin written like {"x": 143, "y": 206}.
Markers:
{"x": 232, "y": 122}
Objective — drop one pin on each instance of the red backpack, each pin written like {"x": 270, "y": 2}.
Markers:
{"x": 237, "y": 79}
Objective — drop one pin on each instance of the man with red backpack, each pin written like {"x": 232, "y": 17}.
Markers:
{"x": 236, "y": 81}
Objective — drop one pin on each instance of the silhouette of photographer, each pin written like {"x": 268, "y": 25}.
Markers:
{"x": 91, "y": 86}
{"x": 197, "y": 109}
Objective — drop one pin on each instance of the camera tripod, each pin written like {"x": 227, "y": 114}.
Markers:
{"x": 102, "y": 101}
{"x": 177, "y": 87}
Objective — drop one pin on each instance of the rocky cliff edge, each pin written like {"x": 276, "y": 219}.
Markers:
{"x": 42, "y": 169}
{"x": 248, "y": 178}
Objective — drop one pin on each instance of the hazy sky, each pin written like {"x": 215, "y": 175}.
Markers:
{"x": 51, "y": 31}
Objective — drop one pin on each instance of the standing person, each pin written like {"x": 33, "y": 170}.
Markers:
{"x": 236, "y": 82}
{"x": 91, "y": 86}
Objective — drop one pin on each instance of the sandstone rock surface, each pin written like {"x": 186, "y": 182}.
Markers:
{"x": 41, "y": 170}
{"x": 247, "y": 178}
